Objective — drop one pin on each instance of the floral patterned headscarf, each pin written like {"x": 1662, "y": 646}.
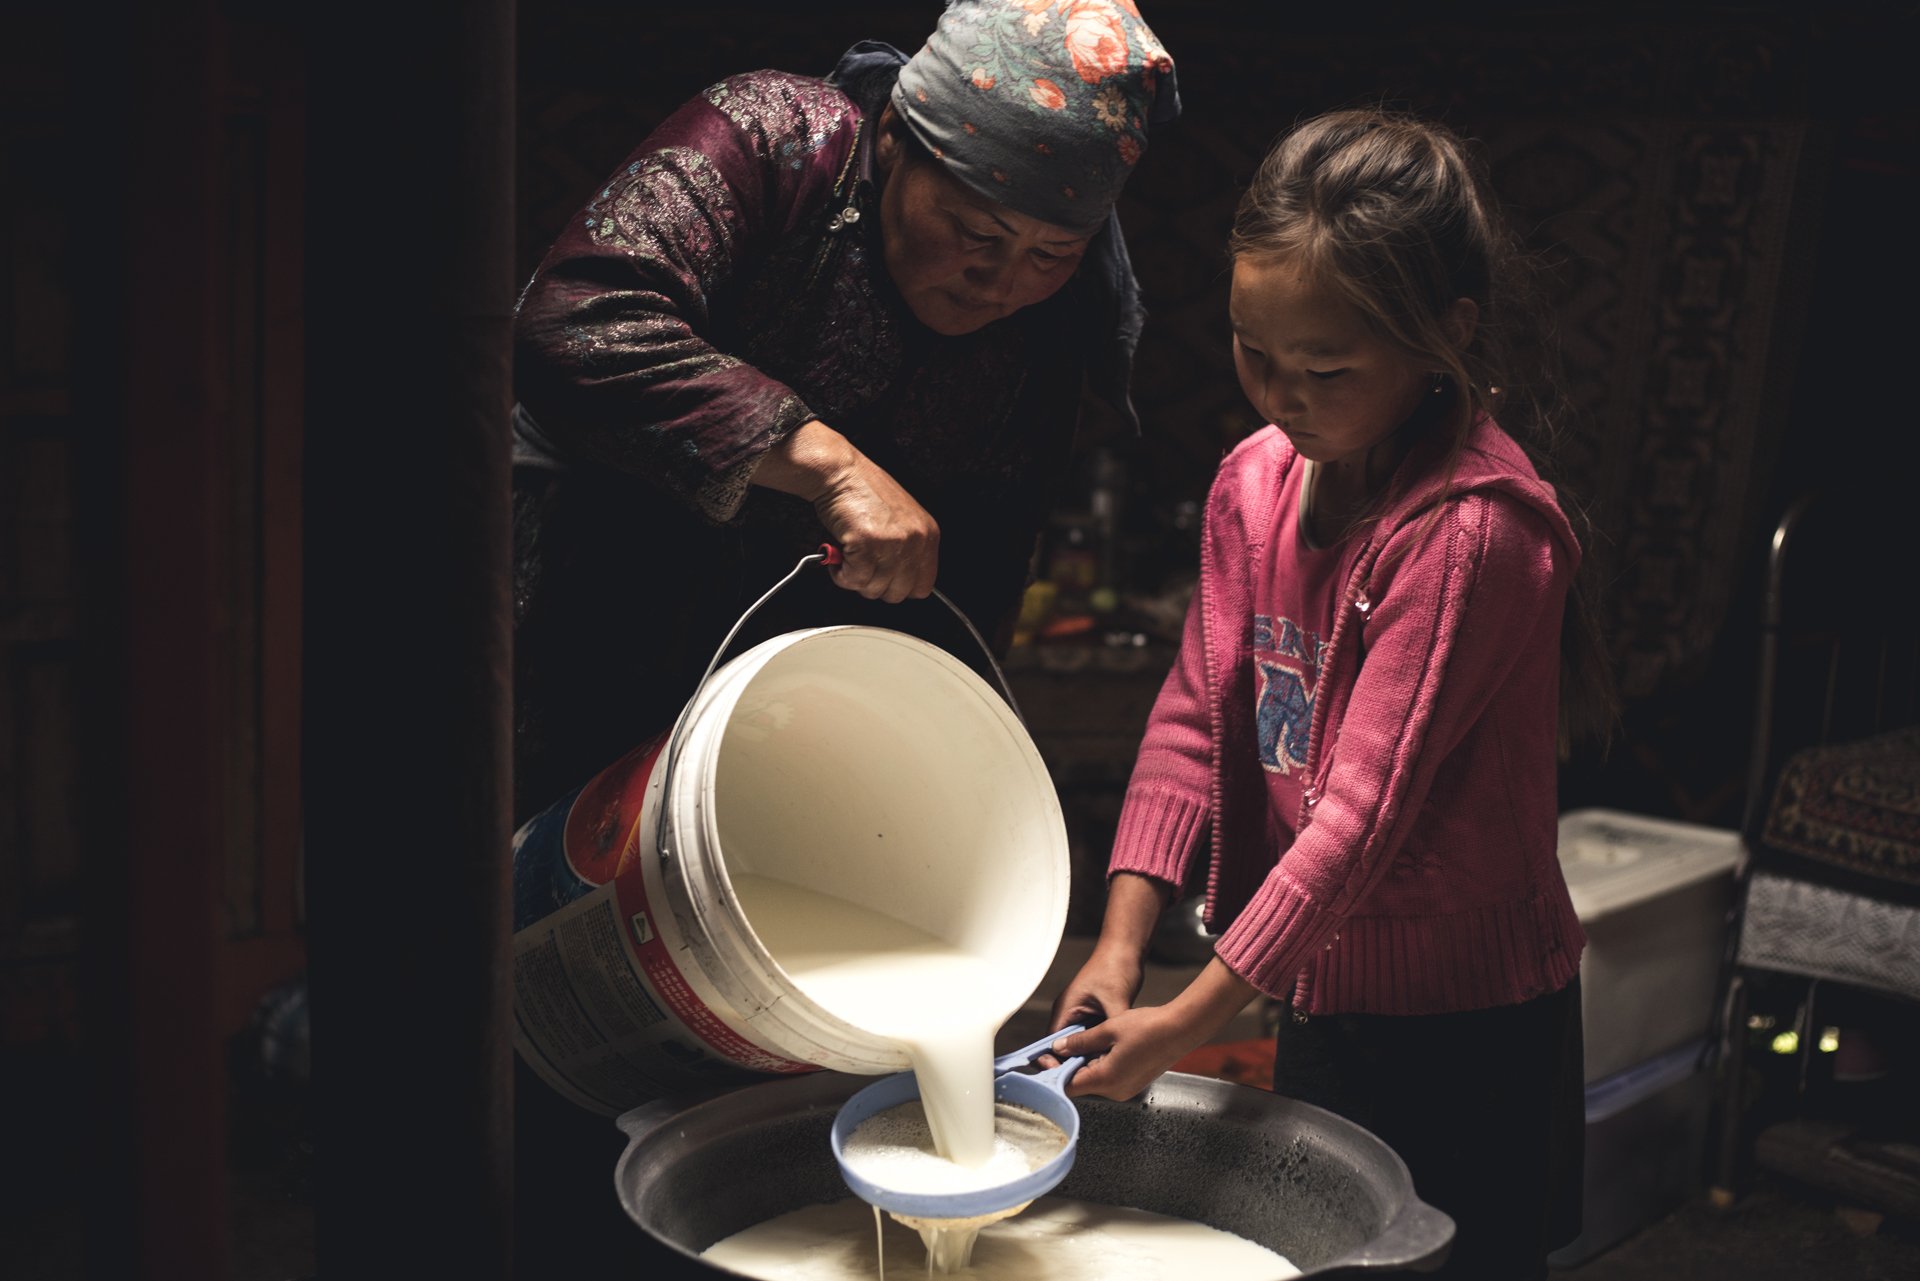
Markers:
{"x": 1042, "y": 105}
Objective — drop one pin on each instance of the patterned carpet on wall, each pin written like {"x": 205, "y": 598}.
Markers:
{"x": 1655, "y": 171}
{"x": 1848, "y": 814}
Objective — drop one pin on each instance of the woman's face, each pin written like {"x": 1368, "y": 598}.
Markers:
{"x": 960, "y": 260}
{"x": 1308, "y": 362}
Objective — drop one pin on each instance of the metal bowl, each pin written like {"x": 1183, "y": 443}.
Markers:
{"x": 1295, "y": 1178}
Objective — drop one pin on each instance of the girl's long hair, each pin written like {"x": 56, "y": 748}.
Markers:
{"x": 1398, "y": 216}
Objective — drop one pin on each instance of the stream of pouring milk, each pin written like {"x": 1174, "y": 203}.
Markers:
{"x": 941, "y": 1004}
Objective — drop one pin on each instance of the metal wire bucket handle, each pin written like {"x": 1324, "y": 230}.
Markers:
{"x": 827, "y": 555}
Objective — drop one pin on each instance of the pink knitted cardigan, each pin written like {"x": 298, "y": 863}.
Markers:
{"x": 1423, "y": 878}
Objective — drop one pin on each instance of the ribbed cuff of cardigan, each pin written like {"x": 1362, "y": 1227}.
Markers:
{"x": 1275, "y": 936}
{"x": 1158, "y": 830}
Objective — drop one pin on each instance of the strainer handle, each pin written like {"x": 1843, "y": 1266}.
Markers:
{"x": 1027, "y": 1054}
{"x": 1056, "y": 1078}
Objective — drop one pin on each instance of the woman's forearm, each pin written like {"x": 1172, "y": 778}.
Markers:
{"x": 890, "y": 542}
{"x": 807, "y": 462}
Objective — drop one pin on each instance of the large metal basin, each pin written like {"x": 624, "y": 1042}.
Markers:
{"x": 1295, "y": 1178}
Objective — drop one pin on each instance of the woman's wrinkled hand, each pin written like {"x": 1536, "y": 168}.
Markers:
{"x": 890, "y": 543}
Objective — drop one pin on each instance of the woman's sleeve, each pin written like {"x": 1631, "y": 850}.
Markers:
{"x": 1439, "y": 644}
{"x": 1169, "y": 797}
{"x": 614, "y": 333}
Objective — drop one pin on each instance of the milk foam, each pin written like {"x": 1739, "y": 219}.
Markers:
{"x": 895, "y": 1149}
{"x": 1057, "y": 1239}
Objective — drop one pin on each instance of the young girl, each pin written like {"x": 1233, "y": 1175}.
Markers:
{"x": 1364, "y": 707}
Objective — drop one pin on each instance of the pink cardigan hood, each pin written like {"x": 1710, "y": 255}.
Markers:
{"x": 1423, "y": 877}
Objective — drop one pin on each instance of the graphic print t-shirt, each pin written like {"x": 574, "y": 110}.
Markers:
{"x": 1293, "y": 603}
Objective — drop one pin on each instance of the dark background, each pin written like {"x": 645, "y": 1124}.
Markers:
{"x": 1637, "y": 144}
{"x": 1570, "y": 101}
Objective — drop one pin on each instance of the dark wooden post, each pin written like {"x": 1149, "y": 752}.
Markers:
{"x": 408, "y": 635}
{"x": 173, "y": 424}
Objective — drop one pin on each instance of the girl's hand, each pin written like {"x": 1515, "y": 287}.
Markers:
{"x": 890, "y": 542}
{"x": 1132, "y": 1048}
{"x": 1103, "y": 989}
{"x": 1108, "y": 982}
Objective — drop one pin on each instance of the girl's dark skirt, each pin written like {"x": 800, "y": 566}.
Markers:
{"x": 1486, "y": 1107}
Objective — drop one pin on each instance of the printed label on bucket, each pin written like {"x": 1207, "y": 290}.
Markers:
{"x": 582, "y": 1016}
{"x": 601, "y": 1010}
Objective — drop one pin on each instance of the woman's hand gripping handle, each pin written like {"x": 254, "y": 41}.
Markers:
{"x": 890, "y": 543}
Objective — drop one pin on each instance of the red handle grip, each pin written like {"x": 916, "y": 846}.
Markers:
{"x": 832, "y": 554}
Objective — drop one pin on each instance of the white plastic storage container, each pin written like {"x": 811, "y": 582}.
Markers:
{"x": 1646, "y": 1137}
{"x": 1652, "y": 896}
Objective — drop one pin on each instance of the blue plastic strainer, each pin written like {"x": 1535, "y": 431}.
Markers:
{"x": 1043, "y": 1092}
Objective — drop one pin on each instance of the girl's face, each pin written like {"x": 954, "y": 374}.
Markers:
{"x": 1309, "y": 363}
{"x": 960, "y": 260}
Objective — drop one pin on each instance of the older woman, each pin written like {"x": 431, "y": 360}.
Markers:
{"x": 859, "y": 310}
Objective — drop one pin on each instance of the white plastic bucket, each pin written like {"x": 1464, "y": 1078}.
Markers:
{"x": 852, "y": 761}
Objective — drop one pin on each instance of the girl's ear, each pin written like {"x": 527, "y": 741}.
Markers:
{"x": 1461, "y": 320}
